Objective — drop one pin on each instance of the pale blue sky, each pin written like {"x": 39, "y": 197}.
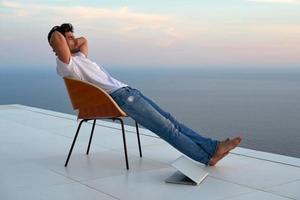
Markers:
{"x": 156, "y": 33}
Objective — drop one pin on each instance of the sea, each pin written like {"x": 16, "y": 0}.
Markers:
{"x": 261, "y": 105}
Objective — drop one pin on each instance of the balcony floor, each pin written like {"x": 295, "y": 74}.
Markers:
{"x": 34, "y": 144}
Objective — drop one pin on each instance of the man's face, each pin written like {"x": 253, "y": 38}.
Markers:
{"x": 70, "y": 39}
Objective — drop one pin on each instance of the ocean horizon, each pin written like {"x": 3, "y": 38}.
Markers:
{"x": 261, "y": 105}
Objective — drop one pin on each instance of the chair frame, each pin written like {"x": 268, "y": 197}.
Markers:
{"x": 93, "y": 127}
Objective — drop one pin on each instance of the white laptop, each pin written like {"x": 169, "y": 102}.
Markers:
{"x": 189, "y": 172}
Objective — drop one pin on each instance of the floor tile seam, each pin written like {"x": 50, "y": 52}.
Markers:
{"x": 130, "y": 131}
{"x": 63, "y": 135}
{"x": 90, "y": 155}
{"x": 71, "y": 137}
{"x": 94, "y": 189}
{"x": 103, "y": 146}
{"x": 100, "y": 191}
{"x": 49, "y": 185}
{"x": 126, "y": 130}
{"x": 54, "y": 133}
{"x": 129, "y": 172}
{"x": 40, "y": 112}
{"x": 285, "y": 183}
{"x": 167, "y": 165}
{"x": 48, "y": 131}
{"x": 43, "y": 186}
{"x": 9, "y": 120}
{"x": 79, "y": 182}
{"x": 142, "y": 146}
{"x": 58, "y": 134}
{"x": 157, "y": 161}
{"x": 237, "y": 195}
{"x": 264, "y": 189}
{"x": 33, "y": 127}
{"x": 269, "y": 160}
{"x": 99, "y": 178}
{"x": 66, "y": 137}
{"x": 106, "y": 147}
{"x": 10, "y": 106}
{"x": 253, "y": 192}
{"x": 44, "y": 112}
{"x": 69, "y": 118}
{"x": 73, "y": 134}
{"x": 135, "y": 155}
{"x": 162, "y": 144}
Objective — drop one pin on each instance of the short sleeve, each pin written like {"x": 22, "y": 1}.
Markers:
{"x": 62, "y": 68}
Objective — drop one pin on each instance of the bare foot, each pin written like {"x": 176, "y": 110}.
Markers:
{"x": 223, "y": 149}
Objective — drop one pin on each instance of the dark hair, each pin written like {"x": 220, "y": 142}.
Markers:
{"x": 66, "y": 27}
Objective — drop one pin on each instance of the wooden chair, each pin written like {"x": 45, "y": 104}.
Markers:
{"x": 94, "y": 103}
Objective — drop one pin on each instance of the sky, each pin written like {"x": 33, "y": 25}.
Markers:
{"x": 156, "y": 33}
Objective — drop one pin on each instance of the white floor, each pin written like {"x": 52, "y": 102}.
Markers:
{"x": 34, "y": 144}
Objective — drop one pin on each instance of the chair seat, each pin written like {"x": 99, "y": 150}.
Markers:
{"x": 96, "y": 112}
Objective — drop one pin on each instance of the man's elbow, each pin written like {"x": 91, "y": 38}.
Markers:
{"x": 56, "y": 37}
{"x": 86, "y": 43}
{"x": 84, "y": 46}
{"x": 84, "y": 39}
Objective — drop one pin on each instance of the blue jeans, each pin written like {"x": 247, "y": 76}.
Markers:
{"x": 145, "y": 112}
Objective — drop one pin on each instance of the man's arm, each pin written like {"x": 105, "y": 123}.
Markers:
{"x": 81, "y": 45}
{"x": 60, "y": 47}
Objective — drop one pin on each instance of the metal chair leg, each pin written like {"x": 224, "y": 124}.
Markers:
{"x": 91, "y": 136}
{"x": 138, "y": 137}
{"x": 73, "y": 143}
{"x": 124, "y": 141}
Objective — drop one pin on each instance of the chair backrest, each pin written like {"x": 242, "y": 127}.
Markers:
{"x": 91, "y": 101}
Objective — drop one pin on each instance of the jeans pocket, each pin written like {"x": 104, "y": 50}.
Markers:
{"x": 121, "y": 95}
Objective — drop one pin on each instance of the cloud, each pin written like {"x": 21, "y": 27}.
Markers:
{"x": 277, "y": 1}
{"x": 8, "y": 4}
{"x": 121, "y": 20}
{"x": 122, "y": 35}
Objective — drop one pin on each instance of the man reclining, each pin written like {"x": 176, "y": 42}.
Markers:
{"x": 72, "y": 61}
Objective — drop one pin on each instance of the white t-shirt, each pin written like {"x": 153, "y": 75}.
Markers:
{"x": 83, "y": 68}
